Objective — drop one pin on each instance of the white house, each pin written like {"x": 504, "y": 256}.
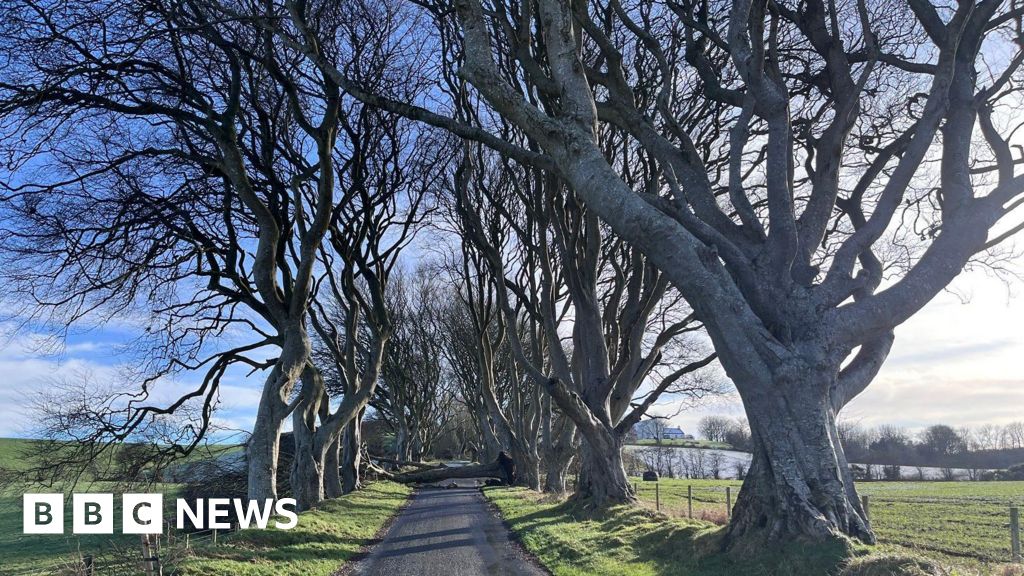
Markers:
{"x": 657, "y": 430}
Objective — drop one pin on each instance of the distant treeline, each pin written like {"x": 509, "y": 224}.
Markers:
{"x": 939, "y": 446}
{"x": 990, "y": 446}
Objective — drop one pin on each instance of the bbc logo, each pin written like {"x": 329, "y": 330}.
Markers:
{"x": 143, "y": 513}
{"x": 92, "y": 513}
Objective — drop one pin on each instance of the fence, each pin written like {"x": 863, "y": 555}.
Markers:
{"x": 986, "y": 528}
{"x": 149, "y": 557}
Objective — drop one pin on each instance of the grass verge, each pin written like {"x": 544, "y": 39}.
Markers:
{"x": 636, "y": 541}
{"x": 324, "y": 539}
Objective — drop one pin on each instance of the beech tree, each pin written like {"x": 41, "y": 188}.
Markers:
{"x": 782, "y": 252}
{"x": 188, "y": 172}
{"x": 554, "y": 265}
{"x": 415, "y": 394}
{"x": 823, "y": 171}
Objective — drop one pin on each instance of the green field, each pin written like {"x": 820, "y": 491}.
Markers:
{"x": 38, "y": 553}
{"x": 683, "y": 444}
{"x": 23, "y": 554}
{"x": 960, "y": 522}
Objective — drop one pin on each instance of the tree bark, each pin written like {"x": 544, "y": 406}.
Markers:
{"x": 557, "y": 461}
{"x": 555, "y": 479}
{"x": 527, "y": 466}
{"x": 307, "y": 476}
{"x": 332, "y": 470}
{"x": 402, "y": 448}
{"x": 799, "y": 484}
{"x": 351, "y": 444}
{"x": 602, "y": 480}
{"x": 262, "y": 450}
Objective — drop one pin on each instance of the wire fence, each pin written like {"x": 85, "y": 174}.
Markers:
{"x": 984, "y": 528}
{"x": 152, "y": 555}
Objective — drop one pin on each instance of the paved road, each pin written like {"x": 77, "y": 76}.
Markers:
{"x": 449, "y": 532}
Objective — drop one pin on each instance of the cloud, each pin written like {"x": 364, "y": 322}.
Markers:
{"x": 29, "y": 364}
{"x": 959, "y": 361}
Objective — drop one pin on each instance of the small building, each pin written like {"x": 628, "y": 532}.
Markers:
{"x": 656, "y": 430}
{"x": 674, "y": 434}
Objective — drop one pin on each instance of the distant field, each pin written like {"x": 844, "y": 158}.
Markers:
{"x": 41, "y": 554}
{"x": 684, "y": 444}
{"x": 23, "y": 554}
{"x": 13, "y": 452}
{"x": 956, "y": 520}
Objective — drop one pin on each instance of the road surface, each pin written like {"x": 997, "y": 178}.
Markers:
{"x": 450, "y": 532}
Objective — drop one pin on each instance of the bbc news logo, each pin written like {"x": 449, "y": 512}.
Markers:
{"x": 144, "y": 513}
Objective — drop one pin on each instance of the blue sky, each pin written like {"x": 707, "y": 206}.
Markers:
{"x": 959, "y": 361}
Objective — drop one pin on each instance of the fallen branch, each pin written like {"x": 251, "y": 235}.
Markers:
{"x": 419, "y": 465}
{"x": 502, "y": 468}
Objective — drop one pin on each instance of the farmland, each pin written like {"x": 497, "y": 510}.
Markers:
{"x": 21, "y": 554}
{"x": 682, "y": 443}
{"x": 959, "y": 522}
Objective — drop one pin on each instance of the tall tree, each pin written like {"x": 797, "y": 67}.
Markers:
{"x": 558, "y": 266}
{"x": 789, "y": 141}
{"x": 191, "y": 176}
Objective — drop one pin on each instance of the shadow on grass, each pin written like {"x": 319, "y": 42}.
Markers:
{"x": 325, "y": 537}
{"x": 630, "y": 540}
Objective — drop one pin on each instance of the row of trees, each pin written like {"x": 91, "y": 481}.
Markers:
{"x": 635, "y": 191}
{"x": 939, "y": 445}
{"x": 210, "y": 175}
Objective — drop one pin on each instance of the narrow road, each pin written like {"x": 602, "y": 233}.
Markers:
{"x": 450, "y": 532}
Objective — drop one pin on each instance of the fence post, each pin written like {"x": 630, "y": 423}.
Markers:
{"x": 87, "y": 563}
{"x": 657, "y": 496}
{"x": 147, "y": 555}
{"x": 636, "y": 488}
{"x": 728, "y": 503}
{"x": 689, "y": 500}
{"x": 1015, "y": 534}
{"x": 188, "y": 543}
{"x": 158, "y": 570}
{"x": 214, "y": 536}
{"x": 865, "y": 503}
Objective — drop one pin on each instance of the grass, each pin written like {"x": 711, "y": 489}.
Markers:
{"x": 683, "y": 443}
{"x": 324, "y": 539}
{"x": 637, "y": 541}
{"x": 21, "y": 553}
{"x": 962, "y": 523}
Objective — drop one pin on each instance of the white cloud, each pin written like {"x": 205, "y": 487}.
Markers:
{"x": 959, "y": 361}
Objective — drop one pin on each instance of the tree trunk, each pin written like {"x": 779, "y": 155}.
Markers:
{"x": 527, "y": 466}
{"x": 307, "y": 481}
{"x": 799, "y": 483}
{"x": 559, "y": 451}
{"x": 307, "y": 471}
{"x": 351, "y": 442}
{"x": 491, "y": 444}
{"x": 332, "y": 470}
{"x": 263, "y": 447}
{"x": 557, "y": 474}
{"x": 492, "y": 470}
{"x": 603, "y": 480}
{"x": 403, "y": 449}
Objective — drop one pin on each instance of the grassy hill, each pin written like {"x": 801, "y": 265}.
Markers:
{"x": 679, "y": 443}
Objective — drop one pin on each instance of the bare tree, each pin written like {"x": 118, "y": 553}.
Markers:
{"x": 554, "y": 260}
{"x": 414, "y": 393}
{"x": 777, "y": 226}
{"x": 714, "y": 428}
{"x": 175, "y": 185}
